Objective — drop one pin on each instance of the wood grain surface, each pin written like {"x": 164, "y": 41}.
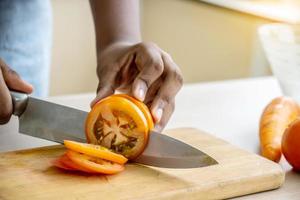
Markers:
{"x": 28, "y": 174}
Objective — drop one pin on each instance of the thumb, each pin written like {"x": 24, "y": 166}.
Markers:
{"x": 14, "y": 81}
{"x": 107, "y": 83}
{"x": 102, "y": 92}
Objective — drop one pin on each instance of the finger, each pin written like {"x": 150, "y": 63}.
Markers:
{"x": 5, "y": 101}
{"x": 167, "y": 113}
{"x": 152, "y": 91}
{"x": 106, "y": 84}
{"x": 150, "y": 64}
{"x": 127, "y": 73}
{"x": 111, "y": 76}
{"x": 166, "y": 93}
{"x": 13, "y": 80}
{"x": 103, "y": 92}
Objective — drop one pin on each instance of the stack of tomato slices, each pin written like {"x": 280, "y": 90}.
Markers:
{"x": 117, "y": 128}
{"x": 90, "y": 158}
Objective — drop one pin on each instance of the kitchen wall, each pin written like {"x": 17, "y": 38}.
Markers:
{"x": 208, "y": 43}
{"x": 73, "y": 57}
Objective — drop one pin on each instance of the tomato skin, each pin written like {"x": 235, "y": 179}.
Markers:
{"x": 117, "y": 103}
{"x": 94, "y": 165}
{"x": 143, "y": 108}
{"x": 291, "y": 144}
{"x": 95, "y": 151}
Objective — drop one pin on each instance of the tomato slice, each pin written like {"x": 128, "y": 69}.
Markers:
{"x": 95, "y": 151}
{"x": 94, "y": 164}
{"x": 64, "y": 162}
{"x": 143, "y": 108}
{"x": 58, "y": 163}
{"x": 118, "y": 124}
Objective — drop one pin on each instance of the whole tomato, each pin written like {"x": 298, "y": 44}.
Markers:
{"x": 291, "y": 144}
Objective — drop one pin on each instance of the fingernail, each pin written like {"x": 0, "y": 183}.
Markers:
{"x": 158, "y": 114}
{"x": 140, "y": 93}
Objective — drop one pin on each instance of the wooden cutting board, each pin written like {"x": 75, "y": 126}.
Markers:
{"x": 28, "y": 174}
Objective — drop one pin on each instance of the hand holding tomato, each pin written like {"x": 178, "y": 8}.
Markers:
{"x": 144, "y": 71}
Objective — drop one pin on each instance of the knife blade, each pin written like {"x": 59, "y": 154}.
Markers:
{"x": 54, "y": 122}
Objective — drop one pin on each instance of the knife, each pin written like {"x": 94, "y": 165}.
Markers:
{"x": 54, "y": 122}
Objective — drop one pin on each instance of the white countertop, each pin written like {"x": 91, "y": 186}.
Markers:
{"x": 227, "y": 109}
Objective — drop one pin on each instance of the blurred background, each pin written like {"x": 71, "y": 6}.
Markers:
{"x": 210, "y": 40}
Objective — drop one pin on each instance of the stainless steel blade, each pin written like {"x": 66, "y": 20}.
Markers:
{"x": 52, "y": 122}
{"x": 165, "y": 151}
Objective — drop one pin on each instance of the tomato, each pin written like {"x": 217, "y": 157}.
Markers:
{"x": 143, "y": 108}
{"x": 93, "y": 164}
{"x": 291, "y": 144}
{"x": 95, "y": 151}
{"x": 118, "y": 124}
{"x": 64, "y": 162}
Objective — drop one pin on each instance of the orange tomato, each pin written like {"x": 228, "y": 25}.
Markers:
{"x": 143, "y": 108}
{"x": 119, "y": 124}
{"x": 95, "y": 151}
{"x": 93, "y": 164}
{"x": 291, "y": 144}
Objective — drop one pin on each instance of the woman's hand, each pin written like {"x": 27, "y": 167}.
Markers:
{"x": 144, "y": 71}
{"x": 9, "y": 80}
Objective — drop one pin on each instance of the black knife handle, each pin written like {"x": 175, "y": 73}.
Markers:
{"x": 20, "y": 101}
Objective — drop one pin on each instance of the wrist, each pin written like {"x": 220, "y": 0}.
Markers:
{"x": 116, "y": 44}
{"x": 115, "y": 48}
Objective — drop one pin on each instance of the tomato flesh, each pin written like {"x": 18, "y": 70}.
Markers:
{"x": 118, "y": 124}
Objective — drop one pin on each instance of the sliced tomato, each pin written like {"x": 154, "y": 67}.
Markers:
{"x": 143, "y": 108}
{"x": 58, "y": 163}
{"x": 64, "y": 162}
{"x": 118, "y": 124}
{"x": 96, "y": 165}
{"x": 95, "y": 151}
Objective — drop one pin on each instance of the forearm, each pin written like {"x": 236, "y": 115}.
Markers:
{"x": 116, "y": 21}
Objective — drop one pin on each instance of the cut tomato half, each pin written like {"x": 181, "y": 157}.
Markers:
{"x": 118, "y": 124}
{"x": 93, "y": 164}
{"x": 95, "y": 151}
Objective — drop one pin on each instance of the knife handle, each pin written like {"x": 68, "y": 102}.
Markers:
{"x": 20, "y": 101}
